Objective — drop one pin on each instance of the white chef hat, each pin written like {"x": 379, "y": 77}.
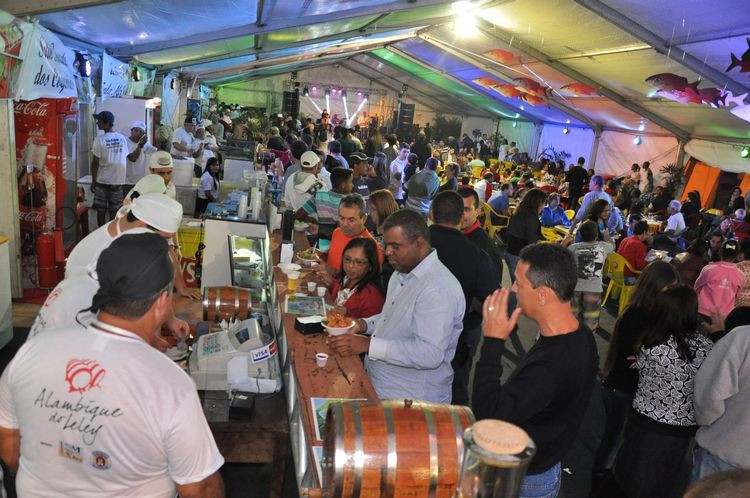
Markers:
{"x": 158, "y": 211}
{"x": 160, "y": 160}
{"x": 149, "y": 184}
{"x": 138, "y": 124}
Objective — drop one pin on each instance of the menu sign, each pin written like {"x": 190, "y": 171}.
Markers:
{"x": 114, "y": 77}
{"x": 46, "y": 70}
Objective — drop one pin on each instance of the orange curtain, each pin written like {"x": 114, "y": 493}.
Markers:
{"x": 704, "y": 179}
{"x": 745, "y": 183}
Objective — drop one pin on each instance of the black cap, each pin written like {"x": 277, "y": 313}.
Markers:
{"x": 105, "y": 116}
{"x": 134, "y": 266}
{"x": 358, "y": 157}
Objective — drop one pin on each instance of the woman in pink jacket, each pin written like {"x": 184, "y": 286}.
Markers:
{"x": 718, "y": 284}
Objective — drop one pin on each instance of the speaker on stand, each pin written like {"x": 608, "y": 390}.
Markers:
{"x": 290, "y": 104}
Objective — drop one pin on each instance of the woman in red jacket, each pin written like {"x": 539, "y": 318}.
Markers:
{"x": 358, "y": 287}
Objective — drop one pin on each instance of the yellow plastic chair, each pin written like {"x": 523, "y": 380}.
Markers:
{"x": 539, "y": 175}
{"x": 570, "y": 213}
{"x": 580, "y": 200}
{"x": 476, "y": 172}
{"x": 550, "y": 235}
{"x": 715, "y": 212}
{"x": 488, "y": 226}
{"x": 614, "y": 267}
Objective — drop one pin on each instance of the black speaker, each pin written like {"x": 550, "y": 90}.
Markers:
{"x": 405, "y": 121}
{"x": 291, "y": 103}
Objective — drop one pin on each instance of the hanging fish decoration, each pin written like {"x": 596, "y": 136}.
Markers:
{"x": 508, "y": 91}
{"x": 744, "y": 63}
{"x": 503, "y": 56}
{"x": 578, "y": 89}
{"x": 533, "y": 99}
{"x": 527, "y": 85}
{"x": 486, "y": 82}
{"x": 668, "y": 82}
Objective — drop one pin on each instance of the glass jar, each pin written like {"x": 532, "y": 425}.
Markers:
{"x": 496, "y": 456}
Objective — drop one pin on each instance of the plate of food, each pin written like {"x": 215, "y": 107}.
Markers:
{"x": 309, "y": 256}
{"x": 300, "y": 226}
{"x": 338, "y": 324}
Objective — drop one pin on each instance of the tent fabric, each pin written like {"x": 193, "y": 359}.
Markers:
{"x": 577, "y": 143}
{"x": 522, "y": 134}
{"x": 726, "y": 155}
{"x": 704, "y": 179}
{"x": 617, "y": 153}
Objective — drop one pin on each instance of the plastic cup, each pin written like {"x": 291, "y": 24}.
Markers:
{"x": 321, "y": 359}
{"x": 311, "y": 287}
{"x": 321, "y": 291}
{"x": 292, "y": 281}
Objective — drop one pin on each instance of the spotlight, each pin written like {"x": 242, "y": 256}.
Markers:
{"x": 745, "y": 152}
{"x": 136, "y": 74}
{"x": 82, "y": 64}
{"x": 567, "y": 121}
{"x": 359, "y": 93}
{"x": 328, "y": 93}
{"x": 314, "y": 88}
{"x": 641, "y": 127}
{"x": 305, "y": 92}
{"x": 566, "y": 130}
{"x": 638, "y": 140}
{"x": 367, "y": 96}
{"x": 515, "y": 124}
{"x": 523, "y": 108}
{"x": 172, "y": 84}
{"x": 343, "y": 93}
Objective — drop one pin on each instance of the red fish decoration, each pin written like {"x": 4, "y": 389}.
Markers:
{"x": 668, "y": 82}
{"x": 508, "y": 91}
{"x": 744, "y": 63}
{"x": 487, "y": 83}
{"x": 712, "y": 96}
{"x": 503, "y": 56}
{"x": 527, "y": 85}
{"x": 578, "y": 89}
{"x": 533, "y": 99}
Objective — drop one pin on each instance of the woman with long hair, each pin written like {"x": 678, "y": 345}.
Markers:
{"x": 451, "y": 182}
{"x": 380, "y": 179}
{"x": 524, "y": 227}
{"x": 357, "y": 287}
{"x": 382, "y": 205}
{"x": 662, "y": 423}
{"x": 599, "y": 214}
{"x": 619, "y": 380}
{"x": 208, "y": 190}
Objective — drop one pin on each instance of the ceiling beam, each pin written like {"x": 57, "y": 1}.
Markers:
{"x": 674, "y": 52}
{"x": 426, "y": 65}
{"x": 450, "y": 106}
{"x": 246, "y": 76}
{"x": 271, "y": 25}
{"x": 482, "y": 112}
{"x": 490, "y": 69}
{"x": 263, "y": 12}
{"x": 496, "y": 33}
{"x": 21, "y": 8}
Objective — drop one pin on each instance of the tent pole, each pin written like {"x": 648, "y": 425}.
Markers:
{"x": 595, "y": 147}
{"x": 537, "y": 139}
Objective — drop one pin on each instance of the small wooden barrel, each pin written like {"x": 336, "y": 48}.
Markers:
{"x": 225, "y": 303}
{"x": 393, "y": 448}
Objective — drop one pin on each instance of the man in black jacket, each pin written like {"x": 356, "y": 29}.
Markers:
{"x": 471, "y": 227}
{"x": 548, "y": 392}
{"x": 476, "y": 273}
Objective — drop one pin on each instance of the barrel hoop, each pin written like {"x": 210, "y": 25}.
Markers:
{"x": 459, "y": 442}
{"x": 392, "y": 457}
{"x": 217, "y": 303}
{"x": 359, "y": 448}
{"x": 432, "y": 439}
{"x": 205, "y": 304}
{"x": 339, "y": 453}
{"x": 236, "y": 301}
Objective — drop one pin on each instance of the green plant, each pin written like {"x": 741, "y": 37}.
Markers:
{"x": 443, "y": 127}
{"x": 674, "y": 175}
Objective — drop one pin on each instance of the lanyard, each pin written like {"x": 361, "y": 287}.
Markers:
{"x": 116, "y": 330}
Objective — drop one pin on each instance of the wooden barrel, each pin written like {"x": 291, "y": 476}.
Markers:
{"x": 393, "y": 448}
{"x": 225, "y": 303}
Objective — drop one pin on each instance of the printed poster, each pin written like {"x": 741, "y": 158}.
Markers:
{"x": 114, "y": 77}
{"x": 47, "y": 67}
{"x": 320, "y": 409}
{"x": 11, "y": 36}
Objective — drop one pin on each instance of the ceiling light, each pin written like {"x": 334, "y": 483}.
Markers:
{"x": 314, "y": 88}
{"x": 566, "y": 130}
{"x": 523, "y": 108}
{"x": 305, "y": 92}
{"x": 515, "y": 124}
{"x": 359, "y": 93}
{"x": 641, "y": 127}
{"x": 465, "y": 24}
{"x": 567, "y": 121}
{"x": 638, "y": 140}
{"x": 745, "y": 152}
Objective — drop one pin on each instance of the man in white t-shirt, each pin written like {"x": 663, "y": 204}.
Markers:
{"x": 182, "y": 139}
{"x": 109, "y": 415}
{"x": 397, "y": 170}
{"x": 668, "y": 239}
{"x": 138, "y": 152}
{"x": 302, "y": 185}
{"x": 108, "y": 168}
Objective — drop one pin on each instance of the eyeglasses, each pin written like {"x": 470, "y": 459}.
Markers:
{"x": 358, "y": 262}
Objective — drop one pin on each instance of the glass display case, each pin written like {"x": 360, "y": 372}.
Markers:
{"x": 246, "y": 259}
{"x": 237, "y": 253}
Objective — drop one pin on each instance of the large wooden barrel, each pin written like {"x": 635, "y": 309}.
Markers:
{"x": 393, "y": 448}
{"x": 225, "y": 303}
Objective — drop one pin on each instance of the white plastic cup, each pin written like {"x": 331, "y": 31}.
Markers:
{"x": 311, "y": 287}
{"x": 321, "y": 291}
{"x": 321, "y": 359}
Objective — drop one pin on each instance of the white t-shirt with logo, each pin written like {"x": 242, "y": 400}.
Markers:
{"x": 65, "y": 302}
{"x": 106, "y": 416}
{"x": 137, "y": 169}
{"x": 112, "y": 150}
{"x": 181, "y": 136}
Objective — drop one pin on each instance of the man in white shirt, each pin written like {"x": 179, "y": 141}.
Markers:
{"x": 411, "y": 343}
{"x": 669, "y": 238}
{"x": 182, "y": 139}
{"x": 302, "y": 185}
{"x": 109, "y": 415}
{"x": 138, "y": 152}
{"x": 397, "y": 170}
{"x": 108, "y": 168}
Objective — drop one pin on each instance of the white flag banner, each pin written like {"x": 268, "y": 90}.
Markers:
{"x": 47, "y": 67}
{"x": 114, "y": 77}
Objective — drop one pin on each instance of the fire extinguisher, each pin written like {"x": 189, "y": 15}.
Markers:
{"x": 45, "y": 260}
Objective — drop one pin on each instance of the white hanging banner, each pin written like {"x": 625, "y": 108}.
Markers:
{"x": 114, "y": 77}
{"x": 47, "y": 67}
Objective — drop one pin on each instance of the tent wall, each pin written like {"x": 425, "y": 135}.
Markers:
{"x": 704, "y": 179}
{"x": 618, "y": 152}
{"x": 472, "y": 123}
{"x": 575, "y": 144}
{"x": 522, "y": 134}
{"x": 725, "y": 155}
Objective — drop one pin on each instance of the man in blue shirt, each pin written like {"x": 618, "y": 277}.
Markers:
{"x": 596, "y": 192}
{"x": 500, "y": 202}
{"x": 411, "y": 343}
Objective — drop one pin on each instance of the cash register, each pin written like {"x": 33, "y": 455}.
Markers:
{"x": 240, "y": 357}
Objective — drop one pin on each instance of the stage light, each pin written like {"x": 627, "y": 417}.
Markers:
{"x": 136, "y": 74}
{"x": 566, "y": 130}
{"x": 343, "y": 94}
{"x": 567, "y": 121}
{"x": 641, "y": 127}
{"x": 82, "y": 64}
{"x": 314, "y": 88}
{"x": 367, "y": 96}
{"x": 745, "y": 152}
{"x": 328, "y": 93}
{"x": 359, "y": 93}
{"x": 305, "y": 92}
{"x": 638, "y": 140}
{"x": 523, "y": 108}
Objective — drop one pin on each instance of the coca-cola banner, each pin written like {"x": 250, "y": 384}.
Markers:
{"x": 10, "y": 44}
{"x": 114, "y": 77}
{"x": 47, "y": 67}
